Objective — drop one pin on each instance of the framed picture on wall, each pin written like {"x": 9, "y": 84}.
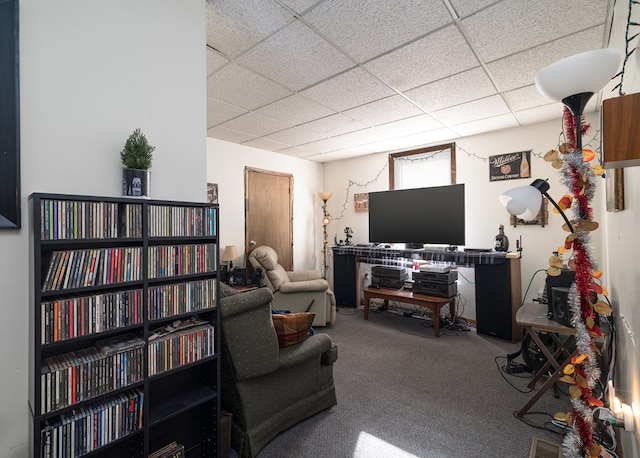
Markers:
{"x": 510, "y": 166}
{"x": 361, "y": 202}
{"x": 614, "y": 182}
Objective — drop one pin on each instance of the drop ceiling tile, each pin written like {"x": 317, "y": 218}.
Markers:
{"x": 333, "y": 125}
{"x": 366, "y": 29}
{"x": 383, "y": 111}
{"x": 350, "y": 89}
{"x": 299, "y": 6}
{"x": 424, "y": 61}
{"x": 525, "y": 97}
{"x": 219, "y": 111}
{"x": 552, "y": 111}
{"x": 297, "y": 135}
{"x": 295, "y": 110}
{"x": 268, "y": 145}
{"x": 520, "y": 69}
{"x": 215, "y": 61}
{"x": 296, "y": 57}
{"x": 510, "y": 27}
{"x": 504, "y": 121}
{"x": 236, "y": 26}
{"x": 456, "y": 89}
{"x": 242, "y": 87}
{"x": 325, "y": 145}
{"x": 410, "y": 126}
{"x": 296, "y": 151}
{"x": 228, "y": 135}
{"x": 472, "y": 111}
{"x": 254, "y": 124}
{"x": 362, "y": 137}
{"x": 465, "y": 8}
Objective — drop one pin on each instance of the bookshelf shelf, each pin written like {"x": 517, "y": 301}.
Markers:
{"x": 124, "y": 337}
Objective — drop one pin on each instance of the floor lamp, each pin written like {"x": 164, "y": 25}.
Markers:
{"x": 573, "y": 81}
{"x": 326, "y": 219}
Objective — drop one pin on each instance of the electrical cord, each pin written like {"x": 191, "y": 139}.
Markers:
{"x": 503, "y": 371}
{"x": 524, "y": 297}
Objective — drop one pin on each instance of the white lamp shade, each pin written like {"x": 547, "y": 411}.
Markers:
{"x": 230, "y": 253}
{"x": 524, "y": 202}
{"x": 585, "y": 72}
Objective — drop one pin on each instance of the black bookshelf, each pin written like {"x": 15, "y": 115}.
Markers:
{"x": 124, "y": 336}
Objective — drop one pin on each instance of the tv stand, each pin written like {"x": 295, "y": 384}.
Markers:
{"x": 497, "y": 281}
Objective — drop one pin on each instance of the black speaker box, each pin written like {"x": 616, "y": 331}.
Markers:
{"x": 224, "y": 274}
{"x": 560, "y": 305}
{"x": 238, "y": 276}
{"x": 493, "y": 301}
{"x": 564, "y": 280}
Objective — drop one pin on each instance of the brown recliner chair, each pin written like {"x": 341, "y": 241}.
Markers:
{"x": 266, "y": 388}
{"x": 299, "y": 290}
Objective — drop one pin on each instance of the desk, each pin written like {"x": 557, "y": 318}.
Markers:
{"x": 533, "y": 318}
{"x": 433, "y": 303}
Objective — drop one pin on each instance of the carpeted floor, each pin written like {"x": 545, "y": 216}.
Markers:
{"x": 404, "y": 393}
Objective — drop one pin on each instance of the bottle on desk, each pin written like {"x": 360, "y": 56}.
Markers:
{"x": 501, "y": 241}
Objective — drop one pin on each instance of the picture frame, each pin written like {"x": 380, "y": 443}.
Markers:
{"x": 510, "y": 166}
{"x": 361, "y": 202}
{"x": 10, "y": 197}
{"x": 614, "y": 184}
{"x": 212, "y": 193}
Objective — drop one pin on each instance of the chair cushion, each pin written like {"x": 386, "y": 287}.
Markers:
{"x": 266, "y": 256}
{"x": 292, "y": 328}
{"x": 278, "y": 276}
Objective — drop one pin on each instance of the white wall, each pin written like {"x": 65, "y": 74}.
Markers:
{"x": 90, "y": 73}
{"x": 483, "y": 211}
{"x": 226, "y": 164}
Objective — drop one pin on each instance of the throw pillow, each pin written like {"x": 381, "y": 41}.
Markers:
{"x": 292, "y": 328}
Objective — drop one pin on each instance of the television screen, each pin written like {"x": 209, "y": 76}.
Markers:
{"x": 418, "y": 216}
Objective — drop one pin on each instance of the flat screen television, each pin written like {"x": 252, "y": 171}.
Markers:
{"x": 418, "y": 216}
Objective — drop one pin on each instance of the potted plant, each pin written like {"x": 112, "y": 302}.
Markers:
{"x": 136, "y": 160}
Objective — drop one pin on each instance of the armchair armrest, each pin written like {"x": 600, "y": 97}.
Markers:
{"x": 302, "y": 275}
{"x": 316, "y": 346}
{"x": 304, "y": 286}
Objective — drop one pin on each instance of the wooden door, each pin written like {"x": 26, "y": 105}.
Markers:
{"x": 269, "y": 214}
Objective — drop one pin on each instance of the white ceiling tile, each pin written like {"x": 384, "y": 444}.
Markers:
{"x": 325, "y": 145}
{"x": 215, "y": 61}
{"x": 472, "y": 111}
{"x": 512, "y": 26}
{"x": 242, "y": 87}
{"x": 299, "y": 6}
{"x": 465, "y": 8}
{"x": 296, "y": 57}
{"x": 410, "y": 126}
{"x": 236, "y": 26}
{"x": 548, "y": 112}
{"x": 351, "y": 89}
{"x": 383, "y": 111}
{"x": 254, "y": 124}
{"x": 362, "y": 137}
{"x": 334, "y": 125}
{"x": 268, "y": 145}
{"x": 219, "y": 111}
{"x": 296, "y": 151}
{"x": 453, "y": 90}
{"x": 424, "y": 61}
{"x": 297, "y": 135}
{"x": 520, "y": 69}
{"x": 525, "y": 97}
{"x": 366, "y": 29}
{"x": 504, "y": 121}
{"x": 228, "y": 135}
{"x": 294, "y": 110}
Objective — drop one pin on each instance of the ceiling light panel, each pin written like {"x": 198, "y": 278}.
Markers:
{"x": 296, "y": 57}
{"x": 236, "y": 26}
{"x": 424, "y": 61}
{"x": 367, "y": 29}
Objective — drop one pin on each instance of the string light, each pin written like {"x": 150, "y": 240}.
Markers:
{"x": 627, "y": 52}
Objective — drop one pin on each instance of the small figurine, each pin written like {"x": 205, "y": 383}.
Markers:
{"x": 348, "y": 232}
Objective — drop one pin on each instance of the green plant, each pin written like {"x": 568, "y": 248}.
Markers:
{"x": 137, "y": 152}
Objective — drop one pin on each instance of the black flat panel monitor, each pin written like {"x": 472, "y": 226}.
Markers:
{"x": 434, "y": 215}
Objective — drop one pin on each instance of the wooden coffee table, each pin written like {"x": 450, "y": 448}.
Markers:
{"x": 433, "y": 303}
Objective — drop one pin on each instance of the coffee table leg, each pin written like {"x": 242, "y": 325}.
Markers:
{"x": 367, "y": 298}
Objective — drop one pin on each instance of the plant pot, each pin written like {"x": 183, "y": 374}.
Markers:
{"x": 135, "y": 182}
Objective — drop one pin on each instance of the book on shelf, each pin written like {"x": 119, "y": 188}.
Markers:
{"x": 172, "y": 450}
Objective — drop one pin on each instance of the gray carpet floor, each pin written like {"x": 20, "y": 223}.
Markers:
{"x": 404, "y": 393}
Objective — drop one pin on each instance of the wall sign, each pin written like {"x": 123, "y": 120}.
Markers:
{"x": 361, "y": 202}
{"x": 510, "y": 166}
{"x": 10, "y": 115}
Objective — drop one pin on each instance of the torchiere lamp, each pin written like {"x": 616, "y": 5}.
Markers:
{"x": 524, "y": 201}
{"x": 326, "y": 219}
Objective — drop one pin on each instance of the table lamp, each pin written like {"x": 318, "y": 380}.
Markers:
{"x": 229, "y": 254}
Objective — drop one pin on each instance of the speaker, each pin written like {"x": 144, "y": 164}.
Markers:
{"x": 564, "y": 280}
{"x": 238, "y": 276}
{"x": 494, "y": 315}
{"x": 224, "y": 273}
{"x": 560, "y": 305}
